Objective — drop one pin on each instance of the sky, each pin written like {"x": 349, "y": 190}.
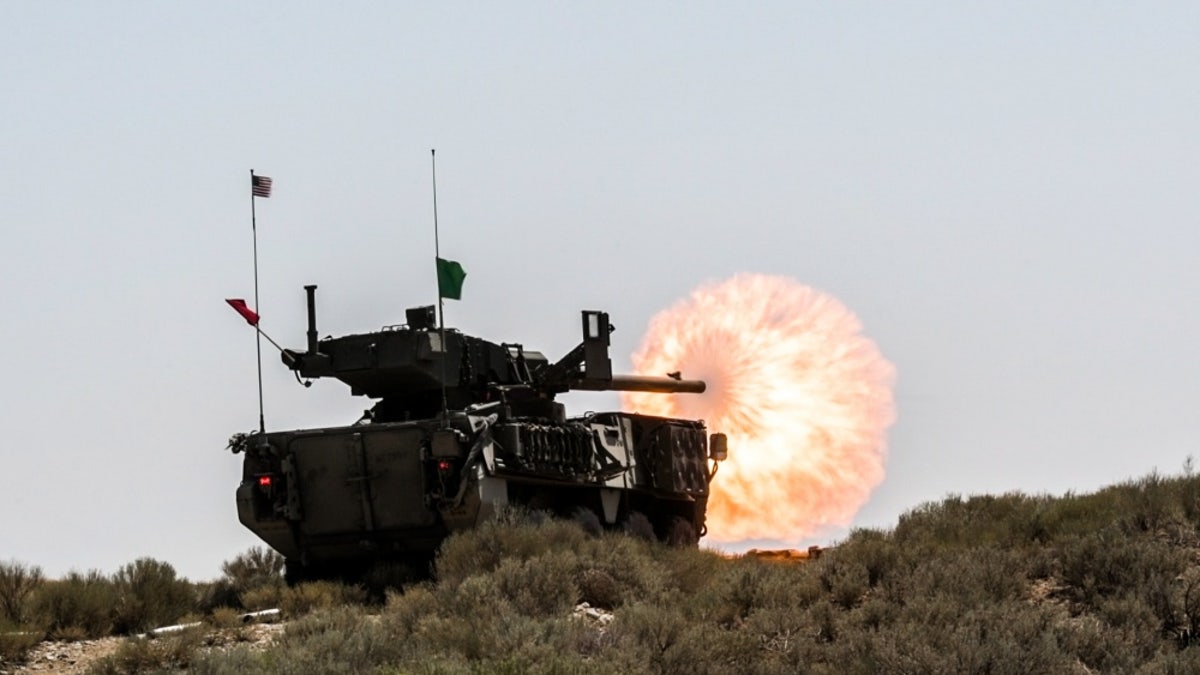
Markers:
{"x": 1004, "y": 193}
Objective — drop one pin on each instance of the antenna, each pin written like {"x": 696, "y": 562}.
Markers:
{"x": 437, "y": 254}
{"x": 254, "y": 192}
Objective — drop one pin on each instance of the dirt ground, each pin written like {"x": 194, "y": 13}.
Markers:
{"x": 74, "y": 658}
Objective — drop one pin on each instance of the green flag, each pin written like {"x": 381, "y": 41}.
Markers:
{"x": 450, "y": 279}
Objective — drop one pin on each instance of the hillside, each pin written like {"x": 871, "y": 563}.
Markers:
{"x": 1000, "y": 584}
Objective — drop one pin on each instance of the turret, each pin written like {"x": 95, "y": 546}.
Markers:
{"x": 411, "y": 366}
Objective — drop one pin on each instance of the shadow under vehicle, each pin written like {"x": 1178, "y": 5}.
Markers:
{"x": 463, "y": 426}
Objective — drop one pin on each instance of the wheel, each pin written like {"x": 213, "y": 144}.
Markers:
{"x": 638, "y": 526}
{"x": 682, "y": 533}
{"x": 294, "y": 572}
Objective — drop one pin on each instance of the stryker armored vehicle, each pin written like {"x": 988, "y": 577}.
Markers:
{"x": 462, "y": 427}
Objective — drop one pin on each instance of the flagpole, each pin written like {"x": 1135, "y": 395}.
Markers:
{"x": 437, "y": 254}
{"x": 262, "y": 426}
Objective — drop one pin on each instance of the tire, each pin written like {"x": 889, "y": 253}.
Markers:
{"x": 682, "y": 534}
{"x": 294, "y": 572}
{"x": 638, "y": 526}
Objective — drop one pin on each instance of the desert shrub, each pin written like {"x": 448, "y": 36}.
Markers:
{"x": 1187, "y": 605}
{"x": 224, "y": 618}
{"x": 968, "y": 577}
{"x": 640, "y": 572}
{"x": 257, "y": 566}
{"x": 660, "y": 638}
{"x": 649, "y": 631}
{"x": 1133, "y": 623}
{"x": 688, "y": 569}
{"x": 15, "y": 642}
{"x": 873, "y": 614}
{"x": 340, "y": 639}
{"x": 777, "y": 630}
{"x": 846, "y": 580}
{"x": 745, "y": 586}
{"x": 1016, "y": 520}
{"x": 484, "y": 548}
{"x": 404, "y": 611}
{"x": 246, "y": 574}
{"x": 1149, "y": 503}
{"x": 599, "y": 589}
{"x": 1001, "y": 637}
{"x": 540, "y": 586}
{"x": 477, "y": 596}
{"x": 263, "y": 597}
{"x": 1105, "y": 564}
{"x": 218, "y": 593}
{"x": 1010, "y": 520}
{"x": 140, "y": 655}
{"x": 149, "y": 594}
{"x": 18, "y": 582}
{"x": 874, "y": 550}
{"x": 234, "y": 661}
{"x": 1103, "y": 647}
{"x": 1188, "y": 495}
{"x": 1183, "y": 662}
{"x": 328, "y": 619}
{"x": 707, "y": 648}
{"x": 492, "y": 614}
{"x": 304, "y": 598}
{"x": 76, "y": 606}
{"x": 1008, "y": 584}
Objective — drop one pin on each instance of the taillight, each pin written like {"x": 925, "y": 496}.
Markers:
{"x": 264, "y": 481}
{"x": 445, "y": 465}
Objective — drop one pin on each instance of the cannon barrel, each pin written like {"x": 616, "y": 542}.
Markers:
{"x": 662, "y": 385}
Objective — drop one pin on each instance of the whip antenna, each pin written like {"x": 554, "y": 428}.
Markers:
{"x": 437, "y": 254}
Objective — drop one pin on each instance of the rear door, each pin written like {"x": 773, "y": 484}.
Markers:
{"x": 397, "y": 486}
{"x": 361, "y": 480}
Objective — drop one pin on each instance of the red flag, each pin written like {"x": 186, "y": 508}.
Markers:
{"x": 248, "y": 314}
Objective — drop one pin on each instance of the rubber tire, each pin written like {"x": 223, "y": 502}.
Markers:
{"x": 682, "y": 534}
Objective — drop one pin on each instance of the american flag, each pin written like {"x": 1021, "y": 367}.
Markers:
{"x": 260, "y": 186}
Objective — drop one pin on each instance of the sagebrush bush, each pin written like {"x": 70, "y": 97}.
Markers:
{"x": 257, "y": 566}
{"x": 225, "y": 618}
{"x": 149, "y": 594}
{"x": 76, "y": 606}
{"x": 599, "y": 589}
{"x": 15, "y": 642}
{"x": 1103, "y": 564}
{"x": 243, "y": 580}
{"x": 310, "y": 596}
{"x": 263, "y": 597}
{"x": 141, "y": 655}
{"x": 484, "y": 548}
{"x": 18, "y": 582}
{"x": 543, "y": 585}
{"x": 1107, "y": 582}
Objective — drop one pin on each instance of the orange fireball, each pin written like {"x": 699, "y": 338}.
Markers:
{"x": 804, "y": 397}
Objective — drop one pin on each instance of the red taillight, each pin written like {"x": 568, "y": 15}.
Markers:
{"x": 264, "y": 481}
{"x": 444, "y": 465}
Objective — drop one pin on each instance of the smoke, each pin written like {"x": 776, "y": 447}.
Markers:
{"x": 804, "y": 397}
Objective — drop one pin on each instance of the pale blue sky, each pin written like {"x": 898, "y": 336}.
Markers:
{"x": 1006, "y": 194}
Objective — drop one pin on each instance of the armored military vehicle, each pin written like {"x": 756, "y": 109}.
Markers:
{"x": 463, "y": 426}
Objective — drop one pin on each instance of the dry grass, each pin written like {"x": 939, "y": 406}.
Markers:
{"x": 1106, "y": 582}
